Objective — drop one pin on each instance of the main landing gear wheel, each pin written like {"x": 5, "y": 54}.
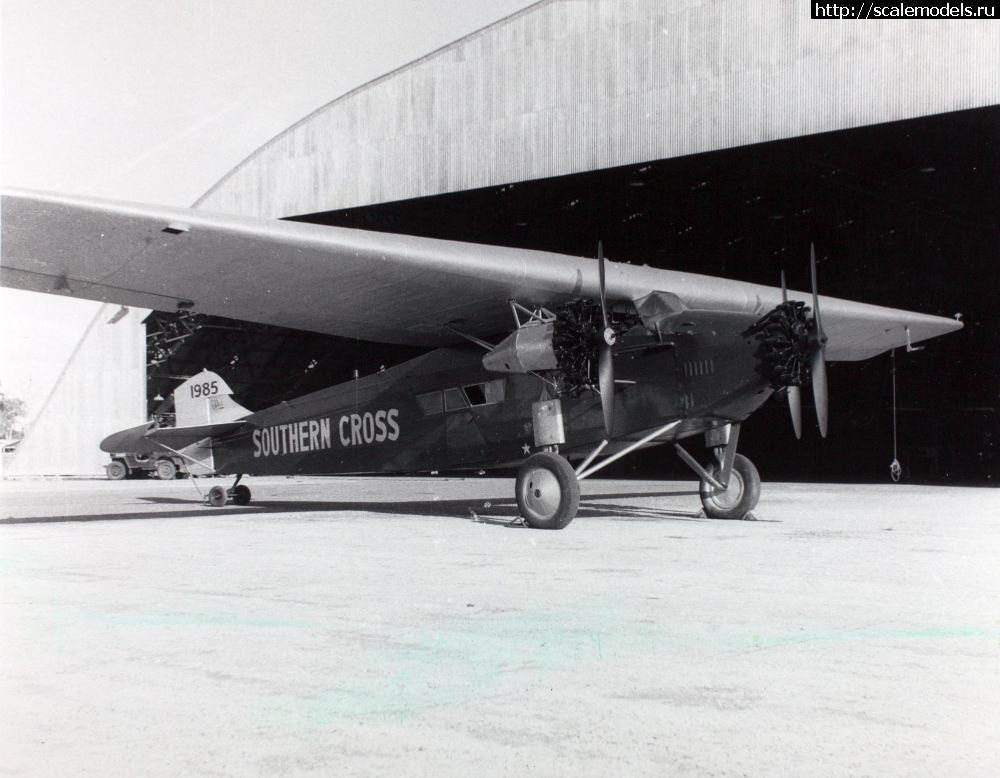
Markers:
{"x": 547, "y": 491}
{"x": 166, "y": 470}
{"x": 741, "y": 495}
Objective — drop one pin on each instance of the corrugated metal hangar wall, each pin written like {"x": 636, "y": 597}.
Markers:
{"x": 572, "y": 85}
{"x": 101, "y": 390}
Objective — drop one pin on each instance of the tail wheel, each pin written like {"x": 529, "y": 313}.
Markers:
{"x": 117, "y": 470}
{"x": 547, "y": 491}
{"x": 166, "y": 470}
{"x": 217, "y": 497}
{"x": 739, "y": 497}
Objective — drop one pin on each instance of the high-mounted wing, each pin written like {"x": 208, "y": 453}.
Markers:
{"x": 354, "y": 283}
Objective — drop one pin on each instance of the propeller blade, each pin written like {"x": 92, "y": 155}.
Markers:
{"x": 820, "y": 391}
{"x": 795, "y": 408}
{"x": 820, "y": 335}
{"x": 607, "y": 331}
{"x": 784, "y": 289}
{"x": 606, "y": 385}
{"x": 817, "y": 359}
{"x": 600, "y": 271}
{"x": 605, "y": 359}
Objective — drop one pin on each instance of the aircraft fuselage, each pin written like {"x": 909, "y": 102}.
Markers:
{"x": 444, "y": 410}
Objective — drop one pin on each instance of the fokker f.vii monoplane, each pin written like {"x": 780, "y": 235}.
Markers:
{"x": 534, "y": 359}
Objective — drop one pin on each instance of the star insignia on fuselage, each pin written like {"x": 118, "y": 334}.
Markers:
{"x": 526, "y": 449}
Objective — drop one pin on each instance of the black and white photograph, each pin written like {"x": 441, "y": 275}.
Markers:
{"x": 554, "y": 387}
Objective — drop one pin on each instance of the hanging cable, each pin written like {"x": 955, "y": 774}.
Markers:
{"x": 895, "y": 469}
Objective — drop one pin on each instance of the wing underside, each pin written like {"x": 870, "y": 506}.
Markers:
{"x": 373, "y": 286}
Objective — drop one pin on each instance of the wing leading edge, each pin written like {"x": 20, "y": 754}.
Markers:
{"x": 354, "y": 283}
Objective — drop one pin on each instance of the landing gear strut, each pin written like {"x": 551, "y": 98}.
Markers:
{"x": 548, "y": 489}
{"x": 237, "y": 493}
{"x": 730, "y": 486}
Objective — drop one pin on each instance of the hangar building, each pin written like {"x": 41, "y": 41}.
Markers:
{"x": 720, "y": 138}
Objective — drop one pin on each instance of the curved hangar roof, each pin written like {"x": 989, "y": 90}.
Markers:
{"x": 566, "y": 86}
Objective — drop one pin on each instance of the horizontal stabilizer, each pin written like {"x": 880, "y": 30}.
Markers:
{"x": 179, "y": 437}
{"x": 130, "y": 441}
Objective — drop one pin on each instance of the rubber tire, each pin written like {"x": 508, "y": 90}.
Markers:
{"x": 740, "y": 498}
{"x": 116, "y": 470}
{"x": 217, "y": 497}
{"x": 547, "y": 492}
{"x": 241, "y": 495}
{"x": 166, "y": 470}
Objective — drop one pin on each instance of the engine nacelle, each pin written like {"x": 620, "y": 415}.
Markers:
{"x": 569, "y": 345}
{"x": 525, "y": 350}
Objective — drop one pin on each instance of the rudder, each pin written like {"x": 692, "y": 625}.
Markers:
{"x": 206, "y": 398}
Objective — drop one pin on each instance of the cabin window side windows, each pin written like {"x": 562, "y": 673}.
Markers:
{"x": 454, "y": 400}
{"x": 457, "y": 399}
{"x": 488, "y": 393}
{"x": 475, "y": 394}
{"x": 430, "y": 403}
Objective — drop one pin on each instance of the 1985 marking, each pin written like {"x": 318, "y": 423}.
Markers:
{"x": 205, "y": 389}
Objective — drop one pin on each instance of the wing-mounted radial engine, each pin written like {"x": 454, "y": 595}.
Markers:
{"x": 565, "y": 344}
{"x": 792, "y": 350}
{"x": 571, "y": 348}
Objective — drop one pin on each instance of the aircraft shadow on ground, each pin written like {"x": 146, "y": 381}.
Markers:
{"x": 496, "y": 510}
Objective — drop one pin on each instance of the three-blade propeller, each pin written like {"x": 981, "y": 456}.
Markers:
{"x": 605, "y": 362}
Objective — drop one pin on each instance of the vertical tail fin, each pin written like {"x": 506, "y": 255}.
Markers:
{"x": 206, "y": 398}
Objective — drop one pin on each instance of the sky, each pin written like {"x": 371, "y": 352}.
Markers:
{"x": 156, "y": 100}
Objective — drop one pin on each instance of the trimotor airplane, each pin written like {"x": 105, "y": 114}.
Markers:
{"x": 534, "y": 358}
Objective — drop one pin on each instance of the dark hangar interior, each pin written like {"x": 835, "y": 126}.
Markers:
{"x": 905, "y": 214}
